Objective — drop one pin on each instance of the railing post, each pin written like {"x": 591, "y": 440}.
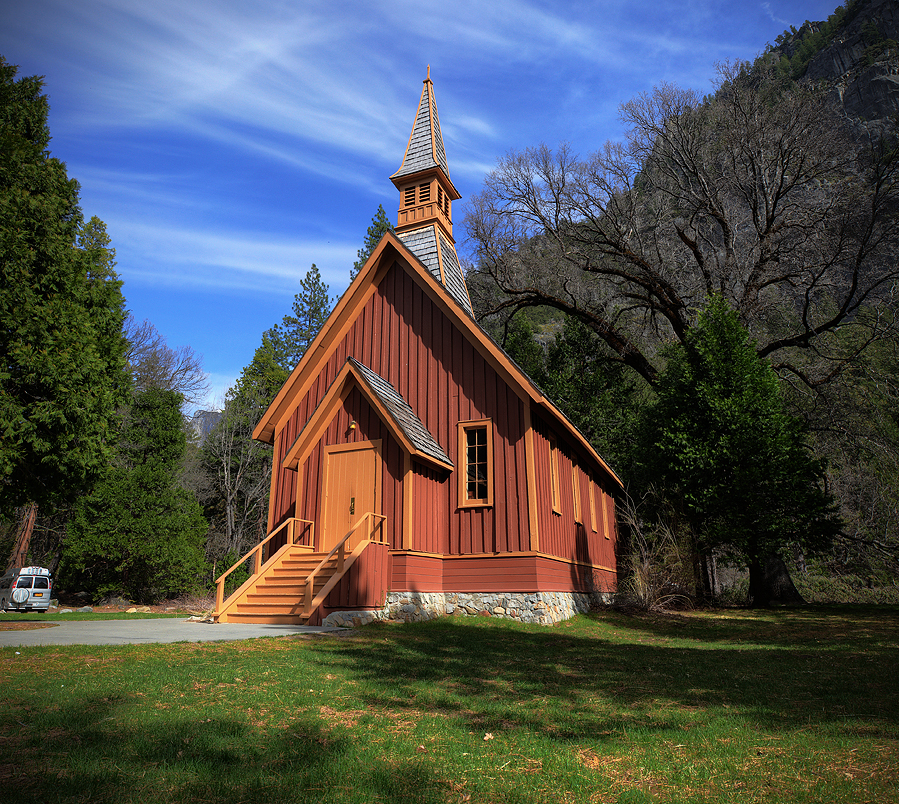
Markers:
{"x": 257, "y": 559}
{"x": 220, "y": 595}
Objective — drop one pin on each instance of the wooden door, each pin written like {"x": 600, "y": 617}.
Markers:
{"x": 352, "y": 488}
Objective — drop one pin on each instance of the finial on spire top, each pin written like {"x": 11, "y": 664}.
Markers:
{"x": 428, "y": 74}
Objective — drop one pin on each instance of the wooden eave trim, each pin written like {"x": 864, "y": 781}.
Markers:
{"x": 317, "y": 423}
{"x": 335, "y": 395}
{"x": 336, "y": 325}
{"x": 389, "y": 250}
{"x": 586, "y": 446}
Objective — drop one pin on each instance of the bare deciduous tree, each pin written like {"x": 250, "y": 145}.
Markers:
{"x": 240, "y": 469}
{"x": 759, "y": 194}
{"x": 154, "y": 364}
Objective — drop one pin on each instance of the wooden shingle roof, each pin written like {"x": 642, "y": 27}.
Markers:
{"x": 438, "y": 254}
{"x": 402, "y": 414}
{"x": 425, "y": 149}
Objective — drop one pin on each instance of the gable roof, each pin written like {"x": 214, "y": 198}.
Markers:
{"x": 392, "y": 251}
{"x": 392, "y": 409}
{"x": 402, "y": 414}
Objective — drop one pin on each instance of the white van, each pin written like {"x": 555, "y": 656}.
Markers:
{"x": 24, "y": 589}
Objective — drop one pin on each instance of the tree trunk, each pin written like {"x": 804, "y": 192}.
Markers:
{"x": 705, "y": 577}
{"x": 770, "y": 583}
{"x": 19, "y": 556}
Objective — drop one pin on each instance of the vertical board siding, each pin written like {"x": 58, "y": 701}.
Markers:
{"x": 560, "y": 535}
{"x": 429, "y": 510}
{"x": 363, "y": 586}
{"x": 403, "y": 336}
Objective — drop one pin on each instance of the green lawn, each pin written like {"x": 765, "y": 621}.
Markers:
{"x": 786, "y": 705}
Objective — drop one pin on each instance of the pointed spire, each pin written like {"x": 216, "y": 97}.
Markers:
{"x": 424, "y": 221}
{"x": 423, "y": 179}
{"x": 425, "y": 149}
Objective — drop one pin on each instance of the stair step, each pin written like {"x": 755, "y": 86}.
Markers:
{"x": 301, "y": 567}
{"x": 240, "y": 617}
{"x": 295, "y": 590}
{"x": 278, "y": 596}
{"x": 265, "y": 607}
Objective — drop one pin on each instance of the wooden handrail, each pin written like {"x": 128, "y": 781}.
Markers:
{"x": 309, "y": 602}
{"x": 256, "y": 552}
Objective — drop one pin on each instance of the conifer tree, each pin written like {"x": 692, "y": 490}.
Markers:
{"x": 380, "y": 224}
{"x": 61, "y": 346}
{"x": 139, "y": 531}
{"x": 290, "y": 339}
{"x": 720, "y": 442}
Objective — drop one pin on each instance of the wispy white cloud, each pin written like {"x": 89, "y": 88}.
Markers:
{"x": 304, "y": 73}
{"x": 767, "y": 7}
{"x": 255, "y": 262}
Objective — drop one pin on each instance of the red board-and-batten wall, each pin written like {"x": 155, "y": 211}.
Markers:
{"x": 403, "y": 336}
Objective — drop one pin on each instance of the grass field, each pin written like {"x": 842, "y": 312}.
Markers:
{"x": 777, "y": 706}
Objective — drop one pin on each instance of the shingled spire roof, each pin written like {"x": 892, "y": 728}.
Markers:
{"x": 425, "y": 149}
{"x": 424, "y": 222}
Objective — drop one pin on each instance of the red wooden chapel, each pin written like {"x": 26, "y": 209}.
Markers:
{"x": 417, "y": 471}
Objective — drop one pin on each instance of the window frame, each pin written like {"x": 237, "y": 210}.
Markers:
{"x": 555, "y": 503}
{"x": 576, "y": 495}
{"x": 463, "y": 429}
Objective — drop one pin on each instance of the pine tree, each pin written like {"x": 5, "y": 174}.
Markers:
{"x": 61, "y": 347}
{"x": 290, "y": 339}
{"x": 138, "y": 531}
{"x": 380, "y": 224}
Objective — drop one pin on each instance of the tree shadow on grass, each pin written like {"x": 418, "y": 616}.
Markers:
{"x": 93, "y": 751}
{"x": 838, "y": 626}
{"x": 570, "y": 686}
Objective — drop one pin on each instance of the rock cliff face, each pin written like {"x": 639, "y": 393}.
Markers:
{"x": 860, "y": 63}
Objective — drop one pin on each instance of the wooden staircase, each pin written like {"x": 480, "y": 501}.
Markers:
{"x": 278, "y": 595}
{"x": 294, "y": 581}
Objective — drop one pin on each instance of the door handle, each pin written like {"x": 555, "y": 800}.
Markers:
{"x": 352, "y": 506}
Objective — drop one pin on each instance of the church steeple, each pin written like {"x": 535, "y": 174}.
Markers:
{"x": 424, "y": 222}
{"x": 426, "y": 192}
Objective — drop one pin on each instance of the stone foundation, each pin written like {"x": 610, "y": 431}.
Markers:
{"x": 543, "y": 608}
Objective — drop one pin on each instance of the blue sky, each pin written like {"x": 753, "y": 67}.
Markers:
{"x": 229, "y": 145}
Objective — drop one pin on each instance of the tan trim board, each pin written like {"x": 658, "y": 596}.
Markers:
{"x": 531, "y": 489}
{"x": 408, "y": 479}
{"x": 512, "y": 554}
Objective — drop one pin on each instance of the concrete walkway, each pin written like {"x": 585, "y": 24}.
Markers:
{"x": 145, "y": 630}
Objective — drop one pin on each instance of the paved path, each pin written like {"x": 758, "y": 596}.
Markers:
{"x": 144, "y": 630}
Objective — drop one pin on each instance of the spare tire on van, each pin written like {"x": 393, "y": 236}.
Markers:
{"x": 25, "y": 589}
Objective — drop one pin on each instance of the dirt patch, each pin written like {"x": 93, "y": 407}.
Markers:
{"x": 24, "y": 626}
{"x": 192, "y": 605}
